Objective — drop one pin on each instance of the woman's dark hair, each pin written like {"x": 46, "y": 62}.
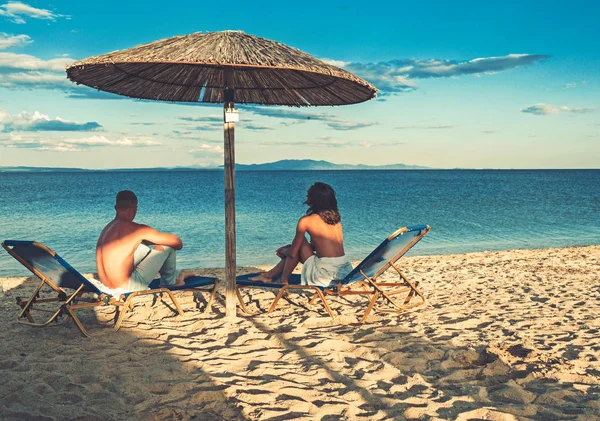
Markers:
{"x": 320, "y": 199}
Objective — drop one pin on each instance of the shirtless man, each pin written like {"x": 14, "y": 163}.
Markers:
{"x": 123, "y": 258}
{"x": 323, "y": 258}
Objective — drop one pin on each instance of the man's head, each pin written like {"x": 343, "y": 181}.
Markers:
{"x": 126, "y": 203}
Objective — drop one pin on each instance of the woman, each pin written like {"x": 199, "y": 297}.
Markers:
{"x": 323, "y": 258}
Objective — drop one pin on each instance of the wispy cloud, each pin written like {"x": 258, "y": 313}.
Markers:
{"x": 23, "y": 71}
{"x": 21, "y": 62}
{"x": 545, "y": 109}
{"x": 37, "y": 122}
{"x": 256, "y": 127}
{"x": 426, "y": 127}
{"x": 203, "y": 150}
{"x": 330, "y": 120}
{"x": 83, "y": 92}
{"x": 328, "y": 142}
{"x": 317, "y": 143}
{"x": 19, "y": 140}
{"x": 10, "y": 41}
{"x": 210, "y": 119}
{"x": 575, "y": 84}
{"x": 18, "y": 12}
{"x": 398, "y": 75}
{"x": 204, "y": 123}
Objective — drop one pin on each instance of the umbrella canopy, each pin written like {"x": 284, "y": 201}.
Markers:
{"x": 191, "y": 68}
{"x": 222, "y": 67}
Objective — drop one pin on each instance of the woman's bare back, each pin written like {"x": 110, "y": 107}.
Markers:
{"x": 326, "y": 239}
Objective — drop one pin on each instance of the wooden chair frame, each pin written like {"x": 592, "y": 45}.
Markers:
{"x": 75, "y": 301}
{"x": 370, "y": 287}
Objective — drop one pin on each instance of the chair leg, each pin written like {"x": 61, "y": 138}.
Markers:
{"x": 314, "y": 299}
{"x": 175, "y": 302}
{"x": 25, "y": 311}
{"x": 123, "y": 310}
{"x": 412, "y": 286}
{"x": 241, "y": 300}
{"x": 277, "y": 298}
{"x": 370, "y": 306}
{"x": 76, "y": 320}
{"x": 319, "y": 293}
{"x": 211, "y": 298}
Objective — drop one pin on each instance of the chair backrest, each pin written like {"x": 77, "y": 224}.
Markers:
{"x": 388, "y": 252}
{"x": 45, "y": 263}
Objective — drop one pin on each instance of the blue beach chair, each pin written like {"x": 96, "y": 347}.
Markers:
{"x": 365, "y": 276}
{"x": 59, "y": 276}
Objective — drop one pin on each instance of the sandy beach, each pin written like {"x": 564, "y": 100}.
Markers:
{"x": 509, "y": 335}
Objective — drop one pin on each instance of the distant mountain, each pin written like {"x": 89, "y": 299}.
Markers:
{"x": 40, "y": 169}
{"x": 284, "y": 165}
{"x": 309, "y": 164}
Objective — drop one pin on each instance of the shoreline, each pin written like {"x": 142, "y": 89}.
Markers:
{"x": 504, "y": 335}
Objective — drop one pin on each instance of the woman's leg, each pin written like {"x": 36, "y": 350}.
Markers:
{"x": 285, "y": 265}
{"x": 269, "y": 275}
{"x": 306, "y": 251}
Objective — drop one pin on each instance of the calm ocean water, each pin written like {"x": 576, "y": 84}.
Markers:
{"x": 467, "y": 210}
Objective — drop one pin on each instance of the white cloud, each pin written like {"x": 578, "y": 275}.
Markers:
{"x": 19, "y": 140}
{"x": 426, "y": 127}
{"x": 209, "y": 119}
{"x": 10, "y": 41}
{"x": 575, "y": 84}
{"x": 336, "y": 63}
{"x": 36, "y": 122}
{"x": 17, "y": 12}
{"x": 205, "y": 149}
{"x": 330, "y": 120}
{"x": 340, "y": 124}
{"x": 396, "y": 75}
{"x": 23, "y": 71}
{"x": 32, "y": 80}
{"x": 20, "y": 62}
{"x": 545, "y": 109}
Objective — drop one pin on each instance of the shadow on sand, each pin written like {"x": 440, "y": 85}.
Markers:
{"x": 291, "y": 364}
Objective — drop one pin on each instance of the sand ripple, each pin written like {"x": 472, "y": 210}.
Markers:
{"x": 505, "y": 336}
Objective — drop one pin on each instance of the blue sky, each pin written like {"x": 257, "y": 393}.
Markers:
{"x": 470, "y": 85}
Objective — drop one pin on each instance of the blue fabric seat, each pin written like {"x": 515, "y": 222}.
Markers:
{"x": 70, "y": 286}
{"x": 365, "y": 274}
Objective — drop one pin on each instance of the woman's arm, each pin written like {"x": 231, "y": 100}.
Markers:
{"x": 301, "y": 229}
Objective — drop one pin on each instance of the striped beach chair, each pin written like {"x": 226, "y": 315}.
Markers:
{"x": 66, "y": 290}
{"x": 363, "y": 280}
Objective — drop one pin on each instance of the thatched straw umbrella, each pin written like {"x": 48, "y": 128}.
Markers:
{"x": 222, "y": 67}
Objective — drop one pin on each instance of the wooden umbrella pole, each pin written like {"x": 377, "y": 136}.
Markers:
{"x": 229, "y": 150}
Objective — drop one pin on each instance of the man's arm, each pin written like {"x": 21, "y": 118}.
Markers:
{"x": 162, "y": 238}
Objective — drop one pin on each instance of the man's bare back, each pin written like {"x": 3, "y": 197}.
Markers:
{"x": 114, "y": 252}
{"x": 120, "y": 239}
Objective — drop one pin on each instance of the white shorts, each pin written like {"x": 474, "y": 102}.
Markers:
{"x": 323, "y": 271}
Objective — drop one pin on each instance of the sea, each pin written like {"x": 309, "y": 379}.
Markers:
{"x": 468, "y": 210}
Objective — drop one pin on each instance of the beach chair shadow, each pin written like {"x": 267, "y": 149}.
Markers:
{"x": 66, "y": 290}
{"x": 362, "y": 281}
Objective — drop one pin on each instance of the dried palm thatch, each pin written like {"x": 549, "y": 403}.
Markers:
{"x": 191, "y": 69}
